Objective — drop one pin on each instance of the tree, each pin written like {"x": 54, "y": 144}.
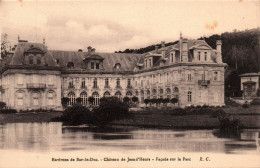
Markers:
{"x": 64, "y": 102}
{"x": 126, "y": 99}
{"x": 2, "y": 105}
{"x": 78, "y": 100}
{"x": 146, "y": 101}
{"x": 110, "y": 109}
{"x": 91, "y": 100}
{"x": 153, "y": 101}
{"x": 135, "y": 99}
{"x": 4, "y": 46}
{"x": 167, "y": 100}
{"x": 174, "y": 101}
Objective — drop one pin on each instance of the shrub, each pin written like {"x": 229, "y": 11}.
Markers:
{"x": 218, "y": 112}
{"x": 126, "y": 99}
{"x": 78, "y": 100}
{"x": 77, "y": 115}
{"x": 174, "y": 100}
{"x": 135, "y": 99}
{"x": 64, "y": 101}
{"x": 227, "y": 123}
{"x": 7, "y": 111}
{"x": 91, "y": 99}
{"x": 146, "y": 101}
{"x": 2, "y": 105}
{"x": 245, "y": 105}
{"x": 110, "y": 109}
{"x": 167, "y": 100}
{"x": 255, "y": 101}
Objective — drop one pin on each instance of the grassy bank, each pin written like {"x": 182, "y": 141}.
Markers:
{"x": 28, "y": 117}
{"x": 249, "y": 118}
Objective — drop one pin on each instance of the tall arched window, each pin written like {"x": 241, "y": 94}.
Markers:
{"x": 50, "y": 97}
{"x": 84, "y": 98}
{"x": 118, "y": 95}
{"x": 154, "y": 93}
{"x": 72, "y": 99}
{"x": 142, "y": 96}
{"x": 118, "y": 83}
{"x": 168, "y": 92}
{"x": 136, "y": 93}
{"x": 189, "y": 96}
{"x": 106, "y": 94}
{"x": 148, "y": 94}
{"x": 96, "y": 98}
{"x": 95, "y": 83}
{"x": 106, "y": 83}
{"x": 176, "y": 92}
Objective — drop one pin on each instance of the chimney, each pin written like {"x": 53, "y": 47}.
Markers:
{"x": 219, "y": 53}
{"x": 163, "y": 49}
{"x": 89, "y": 48}
{"x": 184, "y": 50}
{"x": 93, "y": 50}
{"x": 43, "y": 41}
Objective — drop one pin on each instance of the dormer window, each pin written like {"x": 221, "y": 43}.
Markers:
{"x": 205, "y": 56}
{"x": 92, "y": 65}
{"x": 94, "y": 62}
{"x": 38, "y": 61}
{"x": 70, "y": 65}
{"x": 31, "y": 60}
{"x": 97, "y": 65}
{"x": 117, "y": 66}
{"x": 199, "y": 56}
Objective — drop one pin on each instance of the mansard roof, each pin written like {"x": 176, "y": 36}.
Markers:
{"x": 128, "y": 61}
{"x": 176, "y": 47}
{"x": 26, "y": 47}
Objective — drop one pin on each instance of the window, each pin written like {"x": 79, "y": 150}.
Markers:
{"x": 20, "y": 98}
{"x": 106, "y": 83}
{"x": 118, "y": 83}
{"x": 199, "y": 56}
{"x": 146, "y": 63}
{"x": 84, "y": 99}
{"x": 150, "y": 62}
{"x": 148, "y": 94}
{"x": 118, "y": 95}
{"x": 31, "y": 60}
{"x": 106, "y": 94}
{"x": 83, "y": 83}
{"x": 189, "y": 77}
{"x": 168, "y": 92}
{"x": 35, "y": 99}
{"x": 50, "y": 98}
{"x": 189, "y": 96}
{"x": 95, "y": 83}
{"x": 71, "y": 85}
{"x": 215, "y": 76}
{"x": 92, "y": 65}
{"x": 203, "y": 76}
{"x": 72, "y": 99}
{"x": 142, "y": 96}
{"x": 205, "y": 56}
{"x": 96, "y": 98}
{"x": 136, "y": 93}
{"x": 38, "y": 61}
{"x": 128, "y": 82}
{"x": 129, "y": 95}
{"x": 154, "y": 93}
{"x": 70, "y": 65}
{"x": 97, "y": 65}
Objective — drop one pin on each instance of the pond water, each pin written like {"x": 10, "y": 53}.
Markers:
{"x": 53, "y": 138}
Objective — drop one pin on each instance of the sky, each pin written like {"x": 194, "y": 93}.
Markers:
{"x": 116, "y": 25}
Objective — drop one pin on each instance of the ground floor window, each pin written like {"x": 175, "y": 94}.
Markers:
{"x": 118, "y": 95}
{"x": 84, "y": 98}
{"x": 106, "y": 94}
{"x": 189, "y": 96}
{"x": 20, "y": 96}
{"x": 96, "y": 98}
{"x": 72, "y": 99}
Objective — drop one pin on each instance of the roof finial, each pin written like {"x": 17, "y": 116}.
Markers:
{"x": 18, "y": 38}
{"x": 180, "y": 35}
{"x": 43, "y": 40}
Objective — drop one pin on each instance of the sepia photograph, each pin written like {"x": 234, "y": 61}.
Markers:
{"x": 129, "y": 83}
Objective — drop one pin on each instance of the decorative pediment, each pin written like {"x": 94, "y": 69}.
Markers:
{"x": 35, "y": 50}
{"x": 201, "y": 46}
{"x": 94, "y": 57}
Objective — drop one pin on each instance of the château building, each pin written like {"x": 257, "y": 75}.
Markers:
{"x": 34, "y": 77}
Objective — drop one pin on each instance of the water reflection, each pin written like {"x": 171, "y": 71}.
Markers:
{"x": 55, "y": 137}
